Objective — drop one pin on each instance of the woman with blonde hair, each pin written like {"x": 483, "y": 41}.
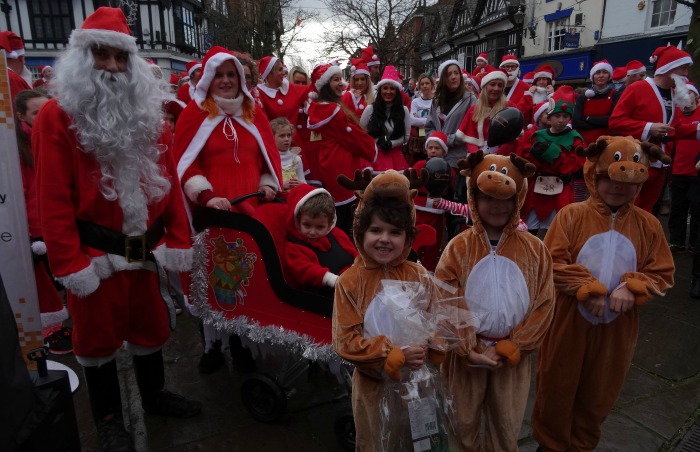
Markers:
{"x": 360, "y": 93}
{"x": 474, "y": 129}
{"x": 298, "y": 76}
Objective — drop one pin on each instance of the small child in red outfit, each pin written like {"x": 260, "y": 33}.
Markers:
{"x": 426, "y": 212}
{"x": 316, "y": 252}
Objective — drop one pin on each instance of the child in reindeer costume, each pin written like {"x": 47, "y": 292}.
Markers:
{"x": 505, "y": 277}
{"x": 609, "y": 257}
{"x": 383, "y": 229}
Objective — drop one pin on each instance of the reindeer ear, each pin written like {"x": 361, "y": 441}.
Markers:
{"x": 358, "y": 183}
{"x": 467, "y": 165}
{"x": 526, "y": 168}
{"x": 415, "y": 178}
{"x": 655, "y": 153}
{"x": 596, "y": 148}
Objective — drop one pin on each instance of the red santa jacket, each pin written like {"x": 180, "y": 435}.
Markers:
{"x": 516, "y": 93}
{"x": 475, "y": 134}
{"x": 68, "y": 187}
{"x": 185, "y": 92}
{"x": 301, "y": 261}
{"x": 17, "y": 84}
{"x": 285, "y": 101}
{"x": 684, "y": 152}
{"x": 343, "y": 147}
{"x": 355, "y": 104}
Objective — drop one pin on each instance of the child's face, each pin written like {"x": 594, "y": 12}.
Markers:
{"x": 558, "y": 121}
{"x": 314, "y": 228}
{"x": 432, "y": 149}
{"x": 171, "y": 121}
{"x": 383, "y": 242}
{"x": 495, "y": 213}
{"x": 615, "y": 194}
{"x": 283, "y": 138}
{"x": 543, "y": 121}
{"x": 33, "y": 106}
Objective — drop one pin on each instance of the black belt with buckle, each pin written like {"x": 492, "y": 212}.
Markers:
{"x": 135, "y": 248}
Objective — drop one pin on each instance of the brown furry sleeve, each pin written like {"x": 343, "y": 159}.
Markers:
{"x": 656, "y": 267}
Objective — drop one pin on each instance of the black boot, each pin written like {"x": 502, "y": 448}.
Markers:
{"x": 106, "y": 404}
{"x": 212, "y": 360}
{"x": 241, "y": 356}
{"x": 150, "y": 378}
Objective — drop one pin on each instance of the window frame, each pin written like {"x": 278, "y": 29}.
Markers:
{"x": 560, "y": 27}
{"x": 670, "y": 13}
{"x": 55, "y": 27}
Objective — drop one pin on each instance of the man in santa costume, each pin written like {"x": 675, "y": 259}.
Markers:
{"x": 647, "y": 108}
{"x": 113, "y": 216}
{"x": 636, "y": 70}
{"x": 373, "y": 63}
{"x": 186, "y": 92}
{"x": 46, "y": 74}
{"x": 15, "y": 64}
{"x": 482, "y": 65}
{"x": 515, "y": 88}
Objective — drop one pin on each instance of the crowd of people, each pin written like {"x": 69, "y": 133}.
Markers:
{"x": 115, "y": 160}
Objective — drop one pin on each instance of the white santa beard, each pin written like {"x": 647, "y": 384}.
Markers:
{"x": 121, "y": 134}
{"x": 682, "y": 92}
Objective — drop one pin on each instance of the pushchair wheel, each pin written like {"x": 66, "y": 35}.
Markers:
{"x": 264, "y": 399}
{"x": 345, "y": 428}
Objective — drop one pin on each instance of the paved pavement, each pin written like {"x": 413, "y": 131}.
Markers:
{"x": 657, "y": 410}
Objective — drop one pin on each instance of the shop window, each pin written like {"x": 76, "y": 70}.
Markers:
{"x": 556, "y": 30}
{"x": 51, "y": 20}
{"x": 663, "y": 13}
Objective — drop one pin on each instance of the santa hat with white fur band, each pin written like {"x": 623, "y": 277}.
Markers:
{"x": 439, "y": 138}
{"x": 494, "y": 74}
{"x": 265, "y": 65}
{"x": 668, "y": 58}
{"x": 601, "y": 65}
{"x": 447, "y": 63}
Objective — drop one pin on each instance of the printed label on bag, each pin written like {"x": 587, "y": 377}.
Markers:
{"x": 421, "y": 131}
{"x": 421, "y": 412}
{"x": 548, "y": 185}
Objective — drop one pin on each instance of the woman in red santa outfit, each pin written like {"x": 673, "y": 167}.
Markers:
{"x": 360, "y": 93}
{"x": 343, "y": 144}
{"x": 474, "y": 129}
{"x": 592, "y": 110}
{"x": 279, "y": 97}
{"x": 226, "y": 149}
{"x": 388, "y": 121}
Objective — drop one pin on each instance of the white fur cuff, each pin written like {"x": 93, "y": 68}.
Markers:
{"x": 460, "y": 137}
{"x": 329, "y": 279}
{"x": 81, "y": 283}
{"x": 269, "y": 180}
{"x": 196, "y": 185}
{"x": 174, "y": 259}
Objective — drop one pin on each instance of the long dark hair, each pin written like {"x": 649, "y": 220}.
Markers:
{"x": 23, "y": 142}
{"x": 375, "y": 126}
{"x": 326, "y": 94}
{"x": 443, "y": 96}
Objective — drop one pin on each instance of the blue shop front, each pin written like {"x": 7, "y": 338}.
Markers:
{"x": 569, "y": 67}
{"x": 619, "y": 53}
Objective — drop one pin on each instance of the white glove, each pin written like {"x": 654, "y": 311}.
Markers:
{"x": 329, "y": 279}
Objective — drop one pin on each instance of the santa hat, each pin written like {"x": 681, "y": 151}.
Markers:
{"x": 493, "y": 74}
{"x": 635, "y": 67}
{"x": 5, "y": 43}
{"x": 619, "y": 74}
{"x": 358, "y": 67}
{"x": 174, "y": 79}
{"x": 544, "y": 71}
{"x": 445, "y": 64}
{"x": 105, "y": 27}
{"x": 300, "y": 195}
{"x": 43, "y": 68}
{"x": 15, "y": 45}
{"x": 691, "y": 87}
{"x": 192, "y": 66}
{"x": 601, "y": 65}
{"x": 483, "y": 57}
{"x": 668, "y": 58}
{"x": 174, "y": 107}
{"x": 438, "y": 137}
{"x": 212, "y": 60}
{"x": 391, "y": 76}
{"x": 509, "y": 59}
{"x": 322, "y": 75}
{"x": 265, "y": 65}
{"x": 529, "y": 77}
{"x": 369, "y": 56}
{"x": 540, "y": 108}
{"x": 562, "y": 101}
{"x": 466, "y": 76}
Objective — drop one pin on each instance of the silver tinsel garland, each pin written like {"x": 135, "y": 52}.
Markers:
{"x": 295, "y": 342}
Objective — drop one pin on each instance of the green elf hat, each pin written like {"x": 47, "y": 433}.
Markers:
{"x": 562, "y": 101}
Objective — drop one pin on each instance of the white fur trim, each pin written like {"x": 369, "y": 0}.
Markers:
{"x": 589, "y": 93}
{"x": 639, "y": 70}
{"x": 268, "y": 68}
{"x": 280, "y": 101}
{"x": 544, "y": 74}
{"x": 39, "y": 248}
{"x": 597, "y": 67}
{"x": 308, "y": 196}
{"x": 396, "y": 84}
{"x": 460, "y": 137}
{"x": 329, "y": 279}
{"x": 82, "y": 283}
{"x": 442, "y": 144}
{"x": 194, "y": 68}
{"x": 174, "y": 259}
{"x": 196, "y": 185}
{"x": 267, "y": 179}
{"x": 49, "y": 319}
{"x": 200, "y": 92}
{"x": 444, "y": 64}
{"x": 359, "y": 72}
{"x": 326, "y": 77}
{"x": 493, "y": 75}
{"x": 92, "y": 37}
{"x": 322, "y": 122}
{"x": 480, "y": 58}
{"x": 140, "y": 350}
{"x": 543, "y": 108}
{"x": 673, "y": 64}
{"x": 348, "y": 129}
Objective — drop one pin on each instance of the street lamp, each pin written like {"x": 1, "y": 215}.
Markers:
{"x": 516, "y": 13}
